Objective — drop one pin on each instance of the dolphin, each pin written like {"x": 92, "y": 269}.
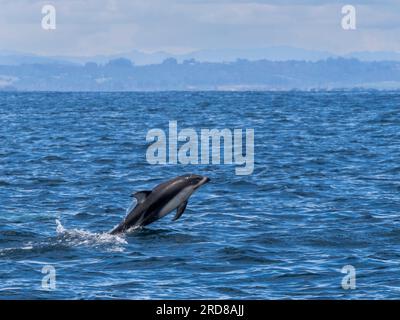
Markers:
{"x": 152, "y": 205}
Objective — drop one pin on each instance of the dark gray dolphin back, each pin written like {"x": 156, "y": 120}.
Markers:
{"x": 150, "y": 203}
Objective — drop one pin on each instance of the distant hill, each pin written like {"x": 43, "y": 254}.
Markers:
{"x": 10, "y": 58}
{"x": 271, "y": 53}
{"x": 375, "y": 56}
{"x": 282, "y": 53}
{"x": 122, "y": 75}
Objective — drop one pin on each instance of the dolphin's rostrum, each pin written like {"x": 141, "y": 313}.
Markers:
{"x": 157, "y": 203}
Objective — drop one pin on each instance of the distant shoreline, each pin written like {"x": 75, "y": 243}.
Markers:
{"x": 340, "y": 90}
{"x": 242, "y": 75}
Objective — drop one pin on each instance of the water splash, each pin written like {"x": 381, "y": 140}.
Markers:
{"x": 60, "y": 228}
{"x": 78, "y": 237}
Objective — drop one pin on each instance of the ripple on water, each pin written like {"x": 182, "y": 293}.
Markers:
{"x": 324, "y": 193}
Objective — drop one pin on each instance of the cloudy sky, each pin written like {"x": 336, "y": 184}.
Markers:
{"x": 89, "y": 27}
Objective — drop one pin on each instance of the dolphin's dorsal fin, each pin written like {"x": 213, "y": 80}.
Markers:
{"x": 141, "y": 195}
{"x": 180, "y": 210}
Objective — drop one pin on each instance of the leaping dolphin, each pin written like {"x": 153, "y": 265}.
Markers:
{"x": 157, "y": 203}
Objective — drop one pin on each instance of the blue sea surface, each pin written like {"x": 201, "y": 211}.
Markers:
{"x": 325, "y": 193}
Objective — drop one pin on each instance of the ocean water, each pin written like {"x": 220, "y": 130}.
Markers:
{"x": 325, "y": 193}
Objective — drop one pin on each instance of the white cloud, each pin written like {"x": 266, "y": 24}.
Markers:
{"x": 111, "y": 26}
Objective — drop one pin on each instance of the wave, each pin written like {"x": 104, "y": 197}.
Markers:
{"x": 67, "y": 238}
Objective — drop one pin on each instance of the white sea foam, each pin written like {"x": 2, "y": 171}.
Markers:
{"x": 78, "y": 237}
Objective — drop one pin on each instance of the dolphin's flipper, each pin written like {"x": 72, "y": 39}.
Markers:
{"x": 180, "y": 210}
{"x": 141, "y": 195}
